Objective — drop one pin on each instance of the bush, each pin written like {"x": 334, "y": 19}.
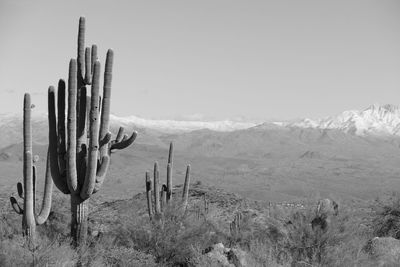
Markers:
{"x": 386, "y": 221}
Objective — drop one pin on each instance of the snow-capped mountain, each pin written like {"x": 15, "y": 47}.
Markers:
{"x": 169, "y": 126}
{"x": 173, "y": 126}
{"x": 375, "y": 120}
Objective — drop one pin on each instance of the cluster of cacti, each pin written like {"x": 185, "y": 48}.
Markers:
{"x": 236, "y": 225}
{"x": 163, "y": 195}
{"x": 80, "y": 156}
{"x": 27, "y": 191}
{"x": 202, "y": 210}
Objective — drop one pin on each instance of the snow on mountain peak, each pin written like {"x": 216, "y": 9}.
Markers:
{"x": 182, "y": 126}
{"x": 375, "y": 120}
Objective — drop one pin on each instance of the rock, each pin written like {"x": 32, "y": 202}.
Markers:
{"x": 385, "y": 250}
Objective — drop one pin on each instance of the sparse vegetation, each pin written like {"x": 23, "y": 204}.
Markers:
{"x": 182, "y": 238}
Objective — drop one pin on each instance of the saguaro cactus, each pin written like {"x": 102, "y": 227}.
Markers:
{"x": 80, "y": 157}
{"x": 157, "y": 204}
{"x": 27, "y": 191}
{"x": 185, "y": 193}
{"x": 161, "y": 195}
{"x": 236, "y": 225}
{"x": 169, "y": 172}
{"x": 148, "y": 194}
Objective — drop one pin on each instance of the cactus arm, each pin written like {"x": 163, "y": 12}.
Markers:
{"x": 171, "y": 153}
{"x": 88, "y": 66}
{"x": 71, "y": 128}
{"x": 148, "y": 194}
{"x": 58, "y": 177}
{"x": 105, "y": 107}
{"x": 120, "y": 134}
{"x": 81, "y": 122}
{"x": 157, "y": 208}
{"x": 20, "y": 190}
{"x": 105, "y": 141}
{"x": 28, "y": 219}
{"x": 17, "y": 208}
{"x": 169, "y": 182}
{"x": 48, "y": 190}
{"x": 185, "y": 192}
{"x": 125, "y": 142}
{"x": 163, "y": 197}
{"x": 34, "y": 187}
{"x": 94, "y": 56}
{"x": 101, "y": 172}
{"x": 61, "y": 142}
{"x": 90, "y": 177}
{"x": 81, "y": 52}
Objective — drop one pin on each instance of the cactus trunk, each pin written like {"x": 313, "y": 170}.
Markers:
{"x": 79, "y": 219}
{"x": 28, "y": 220}
{"x": 185, "y": 193}
{"x": 157, "y": 206}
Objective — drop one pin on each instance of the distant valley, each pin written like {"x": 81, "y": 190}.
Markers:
{"x": 270, "y": 161}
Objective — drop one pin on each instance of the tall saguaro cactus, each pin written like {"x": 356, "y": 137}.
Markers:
{"x": 27, "y": 191}
{"x": 80, "y": 156}
{"x": 169, "y": 172}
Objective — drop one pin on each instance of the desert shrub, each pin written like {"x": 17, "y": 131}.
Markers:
{"x": 172, "y": 237}
{"x": 386, "y": 218}
{"x": 15, "y": 252}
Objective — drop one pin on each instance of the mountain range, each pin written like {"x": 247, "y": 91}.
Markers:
{"x": 376, "y": 120}
{"x": 353, "y": 154}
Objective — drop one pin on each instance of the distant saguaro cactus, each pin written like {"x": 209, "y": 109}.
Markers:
{"x": 185, "y": 192}
{"x": 169, "y": 171}
{"x": 236, "y": 225}
{"x": 80, "y": 156}
{"x": 27, "y": 191}
{"x": 148, "y": 194}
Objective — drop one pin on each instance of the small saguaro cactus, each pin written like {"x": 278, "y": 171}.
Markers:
{"x": 236, "y": 225}
{"x": 169, "y": 172}
{"x": 185, "y": 192}
{"x": 163, "y": 200}
{"x": 157, "y": 204}
{"x": 80, "y": 156}
{"x": 27, "y": 191}
{"x": 206, "y": 203}
{"x": 148, "y": 194}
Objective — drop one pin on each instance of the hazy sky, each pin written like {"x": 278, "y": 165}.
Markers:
{"x": 212, "y": 59}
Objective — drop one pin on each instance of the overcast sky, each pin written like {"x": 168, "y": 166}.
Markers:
{"x": 210, "y": 59}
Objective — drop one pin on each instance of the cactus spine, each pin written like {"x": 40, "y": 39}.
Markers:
{"x": 27, "y": 191}
{"x": 80, "y": 156}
